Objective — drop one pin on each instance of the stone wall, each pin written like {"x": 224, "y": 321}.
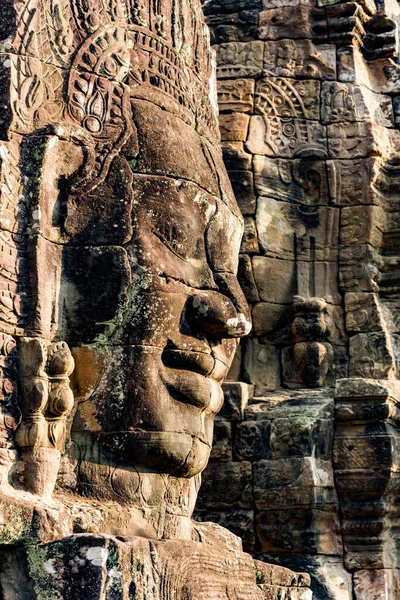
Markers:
{"x": 305, "y": 455}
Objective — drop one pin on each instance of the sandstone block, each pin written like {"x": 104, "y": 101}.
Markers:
{"x": 238, "y": 521}
{"x": 252, "y": 440}
{"x": 298, "y": 58}
{"x": 277, "y": 575}
{"x": 275, "y": 279}
{"x": 249, "y": 239}
{"x": 233, "y": 127}
{"x": 313, "y": 404}
{"x": 344, "y": 102}
{"x": 347, "y": 179}
{"x": 303, "y": 181}
{"x": 301, "y": 437}
{"x": 261, "y": 366}
{"x": 275, "y": 228}
{"x": 287, "y": 138}
{"x": 222, "y": 441}
{"x": 236, "y": 95}
{"x": 371, "y": 356}
{"x": 362, "y": 225}
{"x": 243, "y": 187}
{"x": 328, "y": 575}
{"x": 363, "y": 312}
{"x": 356, "y": 140}
{"x": 239, "y": 59}
{"x": 274, "y": 92}
{"x": 360, "y": 446}
{"x": 233, "y": 27}
{"x": 236, "y": 398}
{"x": 225, "y": 486}
{"x": 228, "y": 6}
{"x": 235, "y": 158}
{"x": 359, "y": 268}
{"x": 373, "y": 584}
{"x": 246, "y": 279}
{"x": 234, "y": 373}
{"x": 272, "y": 592}
{"x": 271, "y": 320}
{"x": 295, "y": 22}
{"x": 302, "y": 530}
{"x": 291, "y": 482}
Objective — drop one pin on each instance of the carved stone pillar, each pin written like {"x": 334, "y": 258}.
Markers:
{"x": 366, "y": 458}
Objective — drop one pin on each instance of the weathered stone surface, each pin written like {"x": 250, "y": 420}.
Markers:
{"x": 261, "y": 366}
{"x": 233, "y": 127}
{"x": 363, "y": 312}
{"x": 246, "y": 278}
{"x": 238, "y": 521}
{"x": 359, "y": 268}
{"x": 104, "y": 566}
{"x": 274, "y": 228}
{"x": 362, "y": 225}
{"x": 299, "y": 58}
{"x": 275, "y": 279}
{"x": 328, "y": 576}
{"x": 303, "y": 181}
{"x": 318, "y": 404}
{"x": 288, "y": 98}
{"x": 239, "y": 59}
{"x": 293, "y": 482}
{"x": 271, "y": 320}
{"x": 249, "y": 239}
{"x": 252, "y": 440}
{"x": 324, "y": 141}
{"x": 371, "y": 584}
{"x": 371, "y": 356}
{"x": 243, "y": 187}
{"x": 236, "y": 95}
{"x": 301, "y": 436}
{"x": 233, "y": 27}
{"x": 304, "y": 530}
{"x": 235, "y": 157}
{"x": 347, "y": 181}
{"x": 287, "y": 138}
{"x": 236, "y": 398}
{"x": 344, "y": 102}
{"x": 222, "y": 441}
{"x": 294, "y": 22}
{"x": 356, "y": 139}
{"x": 226, "y": 486}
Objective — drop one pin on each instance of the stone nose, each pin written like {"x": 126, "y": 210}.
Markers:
{"x": 216, "y": 315}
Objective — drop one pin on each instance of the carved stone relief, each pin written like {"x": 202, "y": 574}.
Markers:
{"x": 120, "y": 307}
{"x": 322, "y": 154}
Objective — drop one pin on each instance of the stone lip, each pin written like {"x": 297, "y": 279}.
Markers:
{"x": 186, "y": 455}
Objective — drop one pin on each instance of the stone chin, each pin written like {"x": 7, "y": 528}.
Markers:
{"x": 176, "y": 453}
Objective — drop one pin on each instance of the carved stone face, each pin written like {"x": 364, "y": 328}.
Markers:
{"x": 125, "y": 250}
{"x": 171, "y": 337}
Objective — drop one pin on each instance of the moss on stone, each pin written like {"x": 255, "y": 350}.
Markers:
{"x": 43, "y": 582}
{"x": 16, "y": 527}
